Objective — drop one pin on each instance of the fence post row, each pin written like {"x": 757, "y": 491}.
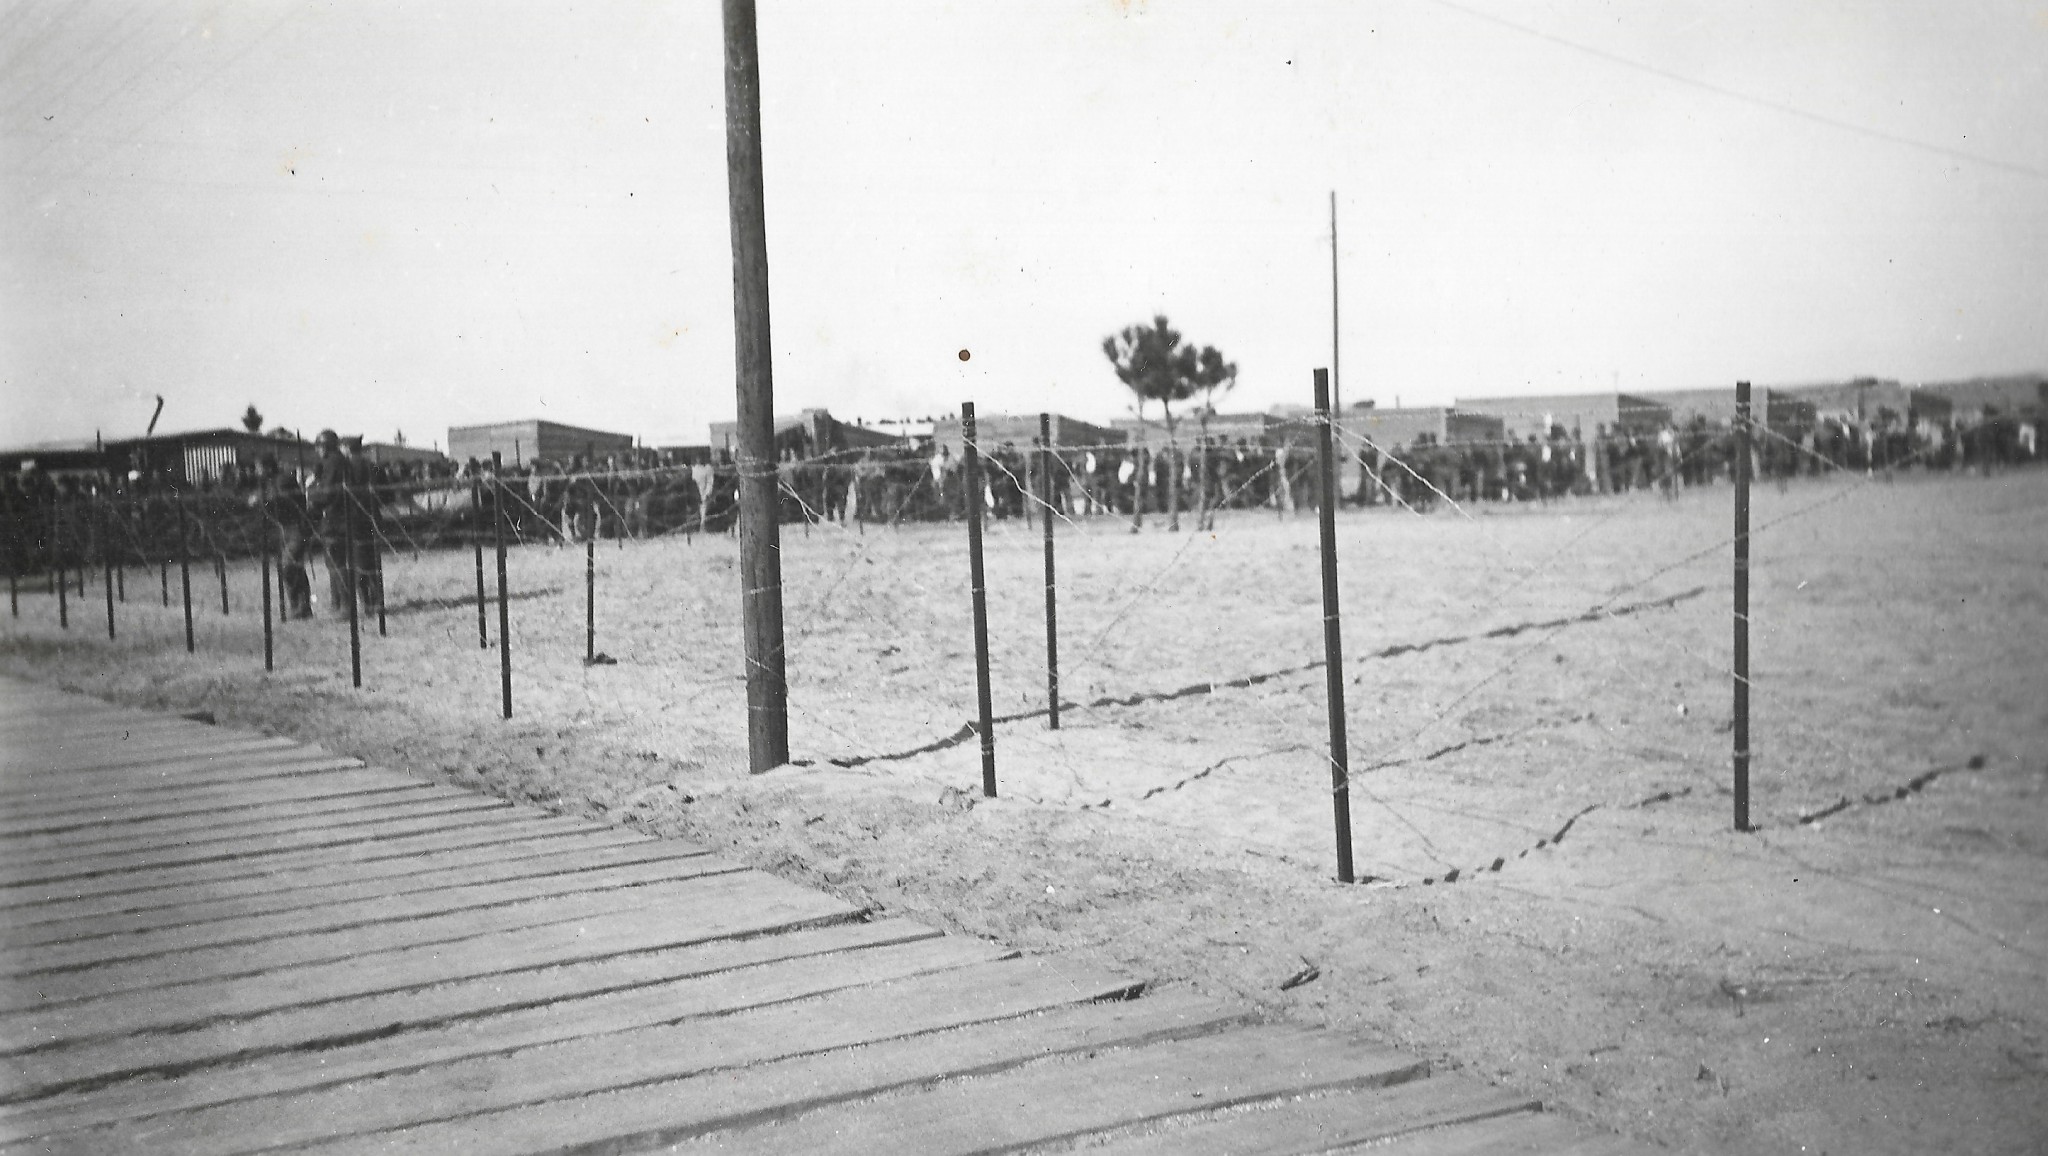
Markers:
{"x": 1333, "y": 631}
{"x": 971, "y": 475}
{"x": 1741, "y": 606}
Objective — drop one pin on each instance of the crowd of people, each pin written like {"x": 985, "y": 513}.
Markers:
{"x": 312, "y": 511}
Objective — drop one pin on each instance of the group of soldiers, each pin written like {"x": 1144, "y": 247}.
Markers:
{"x": 339, "y": 510}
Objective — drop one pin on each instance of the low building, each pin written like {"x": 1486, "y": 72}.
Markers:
{"x": 393, "y": 454}
{"x": 807, "y": 433}
{"x": 522, "y": 443}
{"x": 1021, "y": 431}
{"x": 201, "y": 456}
{"x": 1868, "y": 399}
{"x": 1441, "y": 425}
{"x": 1256, "y": 429}
{"x": 1537, "y": 415}
{"x": 2025, "y": 394}
{"x": 55, "y": 458}
{"x": 1716, "y": 406}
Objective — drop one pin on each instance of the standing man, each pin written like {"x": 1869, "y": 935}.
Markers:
{"x": 331, "y": 508}
{"x": 287, "y": 504}
{"x": 327, "y": 510}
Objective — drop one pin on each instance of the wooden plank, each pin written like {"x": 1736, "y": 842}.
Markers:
{"x": 560, "y": 1004}
{"x": 730, "y": 905}
{"x": 490, "y": 830}
{"x": 177, "y": 776}
{"x": 1065, "y": 1100}
{"x": 570, "y": 849}
{"x": 26, "y": 744}
{"x": 236, "y": 902}
{"x": 252, "y": 817}
{"x": 432, "y": 816}
{"x": 285, "y": 818}
{"x": 1531, "y": 1134}
{"x": 622, "y": 1058}
{"x": 240, "y": 958}
{"x": 655, "y": 1114}
{"x": 93, "y": 762}
{"x": 345, "y": 778}
{"x": 1319, "y": 1123}
{"x": 176, "y": 771}
{"x": 363, "y": 912}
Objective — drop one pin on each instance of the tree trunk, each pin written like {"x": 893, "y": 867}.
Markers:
{"x": 1143, "y": 468}
{"x": 1172, "y": 474}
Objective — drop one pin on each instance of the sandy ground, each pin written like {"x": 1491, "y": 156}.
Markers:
{"x": 1873, "y": 980}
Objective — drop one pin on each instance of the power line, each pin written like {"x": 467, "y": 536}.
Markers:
{"x": 1863, "y": 130}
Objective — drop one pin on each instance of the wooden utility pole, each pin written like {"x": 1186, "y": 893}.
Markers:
{"x": 760, "y": 535}
{"x": 1336, "y": 395}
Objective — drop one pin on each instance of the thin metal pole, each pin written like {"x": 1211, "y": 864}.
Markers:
{"x": 184, "y": 569}
{"x": 589, "y": 601}
{"x": 163, "y": 574}
{"x": 754, "y": 384}
{"x": 13, "y": 581}
{"x": 376, "y": 575}
{"x": 348, "y": 572}
{"x": 106, "y": 565}
{"x": 1052, "y": 616}
{"x": 1742, "y": 606}
{"x": 121, "y": 566}
{"x": 1333, "y": 632}
{"x": 483, "y": 634}
{"x": 220, "y": 567}
{"x": 504, "y": 610}
{"x": 263, "y": 552}
{"x": 61, "y": 582}
{"x": 1336, "y": 394}
{"x": 971, "y": 476}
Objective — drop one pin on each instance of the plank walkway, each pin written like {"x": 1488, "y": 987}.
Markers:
{"x": 212, "y": 941}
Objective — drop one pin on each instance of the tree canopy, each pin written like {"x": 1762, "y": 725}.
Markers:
{"x": 1153, "y": 362}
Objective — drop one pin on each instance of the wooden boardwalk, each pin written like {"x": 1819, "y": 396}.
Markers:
{"x": 218, "y": 942}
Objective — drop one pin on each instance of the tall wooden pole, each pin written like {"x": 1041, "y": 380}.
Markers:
{"x": 760, "y": 535}
{"x": 1742, "y": 606}
{"x": 1333, "y": 633}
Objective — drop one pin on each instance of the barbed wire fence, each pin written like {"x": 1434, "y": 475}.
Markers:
{"x": 446, "y": 515}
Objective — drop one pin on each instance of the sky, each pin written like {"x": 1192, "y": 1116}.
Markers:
{"x": 390, "y": 218}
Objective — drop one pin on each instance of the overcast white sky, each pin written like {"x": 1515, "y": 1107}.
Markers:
{"x": 384, "y": 217}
